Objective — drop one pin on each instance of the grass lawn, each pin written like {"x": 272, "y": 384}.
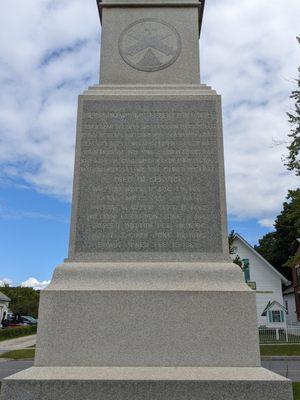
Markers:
{"x": 296, "y": 386}
{"x": 280, "y": 350}
{"x": 22, "y": 354}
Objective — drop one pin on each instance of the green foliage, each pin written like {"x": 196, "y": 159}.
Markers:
{"x": 278, "y": 246}
{"x": 292, "y": 161}
{"x": 24, "y": 300}
{"x": 12, "y": 333}
{"x": 232, "y": 249}
{"x": 293, "y": 261}
{"x": 296, "y": 388}
{"x": 266, "y": 247}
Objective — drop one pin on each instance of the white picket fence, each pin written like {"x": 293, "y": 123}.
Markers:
{"x": 288, "y": 334}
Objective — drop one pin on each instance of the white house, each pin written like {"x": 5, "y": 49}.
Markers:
{"x": 291, "y": 295}
{"x": 290, "y": 305}
{"x": 4, "y": 302}
{"x": 267, "y": 282}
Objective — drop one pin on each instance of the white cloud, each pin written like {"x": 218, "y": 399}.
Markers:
{"x": 5, "y": 282}
{"x": 30, "y": 282}
{"x": 250, "y": 55}
{"x": 50, "y": 53}
{"x": 268, "y": 223}
{"x": 35, "y": 284}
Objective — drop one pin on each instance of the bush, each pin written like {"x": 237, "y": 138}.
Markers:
{"x": 11, "y": 333}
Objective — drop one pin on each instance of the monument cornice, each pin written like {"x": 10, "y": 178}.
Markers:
{"x": 200, "y": 4}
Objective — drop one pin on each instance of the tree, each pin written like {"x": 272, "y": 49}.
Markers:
{"x": 24, "y": 300}
{"x": 278, "y": 246}
{"x": 292, "y": 161}
{"x": 266, "y": 247}
{"x": 287, "y": 227}
{"x": 232, "y": 249}
{"x": 294, "y": 260}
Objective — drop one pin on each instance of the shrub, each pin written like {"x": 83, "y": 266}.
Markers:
{"x": 11, "y": 333}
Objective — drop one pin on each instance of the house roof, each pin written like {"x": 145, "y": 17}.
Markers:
{"x": 289, "y": 290}
{"x": 3, "y": 297}
{"x": 270, "y": 305}
{"x": 283, "y": 278}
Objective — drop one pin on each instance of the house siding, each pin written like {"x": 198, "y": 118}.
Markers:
{"x": 268, "y": 282}
{"x": 3, "y": 309}
{"x": 291, "y": 316}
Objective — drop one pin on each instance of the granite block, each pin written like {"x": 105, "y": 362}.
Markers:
{"x": 147, "y": 384}
{"x": 136, "y": 316}
{"x": 149, "y": 177}
{"x": 149, "y": 45}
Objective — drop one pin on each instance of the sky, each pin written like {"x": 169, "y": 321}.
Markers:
{"x": 49, "y": 53}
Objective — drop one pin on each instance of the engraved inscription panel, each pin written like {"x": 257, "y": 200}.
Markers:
{"x": 148, "y": 177}
{"x": 149, "y": 45}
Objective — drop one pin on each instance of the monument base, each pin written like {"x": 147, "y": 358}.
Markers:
{"x": 132, "y": 314}
{"x": 140, "y": 383}
{"x": 147, "y": 331}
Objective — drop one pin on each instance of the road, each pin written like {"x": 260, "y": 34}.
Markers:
{"x": 11, "y": 367}
{"x": 290, "y": 368}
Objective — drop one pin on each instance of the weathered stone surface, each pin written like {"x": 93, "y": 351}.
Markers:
{"x": 147, "y": 383}
{"x": 149, "y": 177}
{"x": 171, "y": 59}
{"x": 147, "y": 328}
{"x": 151, "y": 276}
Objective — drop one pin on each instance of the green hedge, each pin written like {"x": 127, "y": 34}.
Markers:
{"x": 11, "y": 333}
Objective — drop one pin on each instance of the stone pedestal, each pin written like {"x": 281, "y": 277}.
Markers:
{"x": 148, "y": 305}
{"x": 152, "y": 330}
{"x": 156, "y": 383}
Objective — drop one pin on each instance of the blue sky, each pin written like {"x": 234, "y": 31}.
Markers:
{"x": 49, "y": 53}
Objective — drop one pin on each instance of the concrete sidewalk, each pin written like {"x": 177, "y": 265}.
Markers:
{"x": 17, "y": 344}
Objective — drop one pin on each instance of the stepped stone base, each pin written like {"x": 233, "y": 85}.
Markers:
{"x": 147, "y": 314}
{"x": 156, "y": 331}
{"x": 146, "y": 383}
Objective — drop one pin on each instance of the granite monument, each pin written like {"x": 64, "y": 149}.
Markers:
{"x": 148, "y": 304}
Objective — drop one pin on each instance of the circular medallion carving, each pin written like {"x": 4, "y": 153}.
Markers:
{"x": 149, "y": 45}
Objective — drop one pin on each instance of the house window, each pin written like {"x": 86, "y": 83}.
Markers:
{"x": 276, "y": 316}
{"x": 287, "y": 306}
{"x": 246, "y": 269}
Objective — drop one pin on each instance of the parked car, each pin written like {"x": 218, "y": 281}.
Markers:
{"x": 27, "y": 319}
{"x": 12, "y": 321}
{"x": 19, "y": 320}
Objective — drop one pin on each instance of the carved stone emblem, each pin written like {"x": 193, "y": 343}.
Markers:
{"x": 149, "y": 45}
